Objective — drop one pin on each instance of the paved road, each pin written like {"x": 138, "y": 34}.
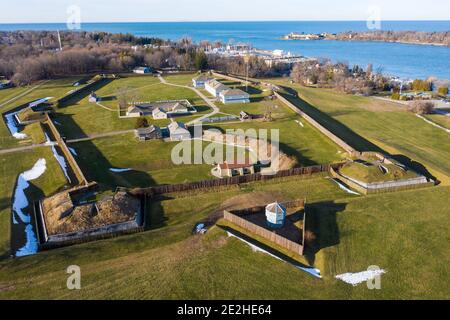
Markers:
{"x": 210, "y": 103}
{"x": 100, "y": 135}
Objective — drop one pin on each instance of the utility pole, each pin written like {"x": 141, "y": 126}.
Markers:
{"x": 59, "y": 40}
{"x": 246, "y": 59}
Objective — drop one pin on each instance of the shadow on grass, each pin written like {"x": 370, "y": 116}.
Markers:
{"x": 321, "y": 229}
{"x": 5, "y": 203}
{"x": 18, "y": 234}
{"x": 345, "y": 133}
{"x": 263, "y": 246}
{"x": 84, "y": 92}
{"x": 414, "y": 165}
{"x": 202, "y": 108}
{"x": 108, "y": 98}
{"x": 95, "y": 165}
{"x": 301, "y": 159}
{"x": 250, "y": 90}
{"x": 155, "y": 216}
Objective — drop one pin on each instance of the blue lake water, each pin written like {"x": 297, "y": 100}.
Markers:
{"x": 404, "y": 60}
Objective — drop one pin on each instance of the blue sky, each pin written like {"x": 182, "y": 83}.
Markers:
{"x": 221, "y": 10}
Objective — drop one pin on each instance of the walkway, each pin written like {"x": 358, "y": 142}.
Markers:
{"x": 24, "y": 148}
{"x": 23, "y": 93}
{"x": 100, "y": 135}
{"x": 215, "y": 111}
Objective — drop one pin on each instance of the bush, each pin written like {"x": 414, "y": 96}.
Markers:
{"x": 141, "y": 123}
{"x": 422, "y": 107}
{"x": 395, "y": 96}
{"x": 443, "y": 91}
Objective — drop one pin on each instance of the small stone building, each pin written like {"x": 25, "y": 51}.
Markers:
{"x": 149, "y": 133}
{"x": 178, "y": 131}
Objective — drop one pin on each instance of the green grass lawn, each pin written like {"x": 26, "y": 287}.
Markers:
{"x": 374, "y": 174}
{"x": 184, "y": 79}
{"x": 147, "y": 89}
{"x": 84, "y": 118}
{"x": 11, "y": 166}
{"x": 305, "y": 144}
{"x": 440, "y": 119}
{"x": 373, "y": 125}
{"x": 387, "y": 230}
{"x": 150, "y": 160}
{"x": 404, "y": 233}
{"x": 53, "y": 88}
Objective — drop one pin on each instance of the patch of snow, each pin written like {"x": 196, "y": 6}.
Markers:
{"x": 38, "y": 170}
{"x": 31, "y": 246}
{"x": 312, "y": 271}
{"x": 116, "y": 170}
{"x": 48, "y": 142}
{"x": 73, "y": 151}
{"x": 20, "y": 200}
{"x": 38, "y": 102}
{"x": 10, "y": 123}
{"x": 360, "y": 277}
{"x": 345, "y": 188}
{"x": 62, "y": 162}
{"x": 14, "y": 218}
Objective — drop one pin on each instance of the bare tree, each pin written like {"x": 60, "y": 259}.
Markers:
{"x": 421, "y": 107}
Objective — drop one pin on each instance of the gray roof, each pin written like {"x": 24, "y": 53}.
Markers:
{"x": 203, "y": 77}
{"x": 147, "y": 130}
{"x": 177, "y": 127}
{"x": 163, "y": 106}
{"x": 234, "y": 92}
{"x": 217, "y": 85}
{"x": 275, "y": 207}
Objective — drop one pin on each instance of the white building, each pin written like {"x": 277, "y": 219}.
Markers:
{"x": 276, "y": 215}
{"x": 178, "y": 131}
{"x": 234, "y": 96}
{"x": 214, "y": 87}
{"x": 200, "y": 81}
{"x": 93, "y": 98}
{"x": 142, "y": 70}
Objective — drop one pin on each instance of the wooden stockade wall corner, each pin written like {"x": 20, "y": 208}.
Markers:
{"x": 269, "y": 235}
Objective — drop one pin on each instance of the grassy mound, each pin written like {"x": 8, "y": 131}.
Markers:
{"x": 376, "y": 173}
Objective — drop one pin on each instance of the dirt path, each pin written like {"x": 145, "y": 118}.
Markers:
{"x": 215, "y": 111}
{"x": 100, "y": 135}
{"x": 24, "y": 148}
{"x": 23, "y": 93}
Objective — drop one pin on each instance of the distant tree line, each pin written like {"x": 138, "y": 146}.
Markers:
{"x": 340, "y": 76}
{"x": 439, "y": 38}
{"x": 27, "y": 56}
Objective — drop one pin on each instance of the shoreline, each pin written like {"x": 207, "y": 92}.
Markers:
{"x": 366, "y": 40}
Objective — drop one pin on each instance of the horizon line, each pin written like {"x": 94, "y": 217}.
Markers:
{"x": 231, "y": 21}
